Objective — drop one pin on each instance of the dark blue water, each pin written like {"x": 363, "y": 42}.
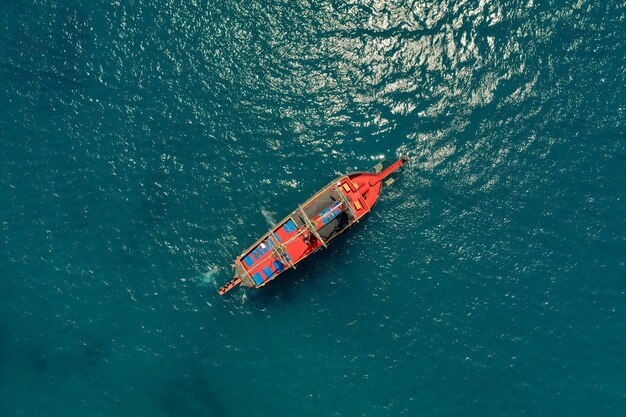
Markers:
{"x": 144, "y": 144}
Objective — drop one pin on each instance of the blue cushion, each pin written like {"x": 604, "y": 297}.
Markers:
{"x": 268, "y": 272}
{"x": 276, "y": 236}
{"x": 289, "y": 226}
{"x": 257, "y": 278}
{"x": 278, "y": 265}
{"x": 334, "y": 214}
{"x": 248, "y": 261}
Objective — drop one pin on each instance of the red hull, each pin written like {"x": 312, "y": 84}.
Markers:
{"x": 327, "y": 214}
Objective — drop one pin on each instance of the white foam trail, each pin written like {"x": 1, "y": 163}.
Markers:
{"x": 269, "y": 218}
{"x": 209, "y": 277}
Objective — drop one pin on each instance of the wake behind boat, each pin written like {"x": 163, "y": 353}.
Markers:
{"x": 323, "y": 217}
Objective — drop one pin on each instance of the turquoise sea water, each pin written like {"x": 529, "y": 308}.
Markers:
{"x": 144, "y": 144}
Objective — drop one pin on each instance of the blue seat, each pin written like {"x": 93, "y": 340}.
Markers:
{"x": 268, "y": 272}
{"x": 289, "y": 226}
{"x": 276, "y": 236}
{"x": 278, "y": 265}
{"x": 330, "y": 212}
{"x": 334, "y": 214}
{"x": 248, "y": 261}
{"x": 257, "y": 278}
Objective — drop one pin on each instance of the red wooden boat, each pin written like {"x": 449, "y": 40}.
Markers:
{"x": 326, "y": 215}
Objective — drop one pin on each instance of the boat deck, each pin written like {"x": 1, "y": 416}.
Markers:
{"x": 320, "y": 219}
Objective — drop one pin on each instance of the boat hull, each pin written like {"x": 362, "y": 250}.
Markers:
{"x": 313, "y": 225}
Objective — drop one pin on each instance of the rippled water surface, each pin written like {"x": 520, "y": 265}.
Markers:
{"x": 144, "y": 144}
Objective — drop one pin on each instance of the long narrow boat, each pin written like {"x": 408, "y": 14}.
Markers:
{"x": 323, "y": 217}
